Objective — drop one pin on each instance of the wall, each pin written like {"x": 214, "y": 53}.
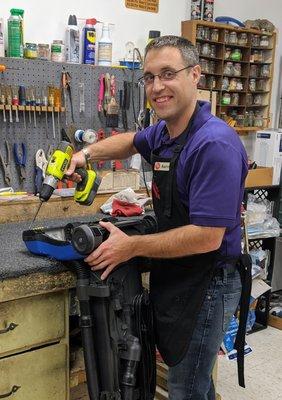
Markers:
{"x": 45, "y": 21}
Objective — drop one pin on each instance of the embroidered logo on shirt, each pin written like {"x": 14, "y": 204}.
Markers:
{"x": 161, "y": 166}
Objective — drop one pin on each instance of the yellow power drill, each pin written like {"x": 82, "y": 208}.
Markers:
{"x": 58, "y": 164}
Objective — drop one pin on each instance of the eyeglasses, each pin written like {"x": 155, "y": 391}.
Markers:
{"x": 166, "y": 75}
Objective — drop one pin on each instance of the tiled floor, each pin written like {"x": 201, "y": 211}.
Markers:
{"x": 263, "y": 369}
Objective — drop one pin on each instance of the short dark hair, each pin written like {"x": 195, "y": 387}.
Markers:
{"x": 188, "y": 51}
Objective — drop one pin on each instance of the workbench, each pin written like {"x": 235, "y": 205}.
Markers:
{"x": 34, "y": 303}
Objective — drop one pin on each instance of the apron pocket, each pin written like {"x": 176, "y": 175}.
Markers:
{"x": 230, "y": 303}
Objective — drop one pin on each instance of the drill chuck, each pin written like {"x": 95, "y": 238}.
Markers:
{"x": 48, "y": 186}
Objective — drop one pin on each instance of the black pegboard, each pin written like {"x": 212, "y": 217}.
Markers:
{"x": 40, "y": 74}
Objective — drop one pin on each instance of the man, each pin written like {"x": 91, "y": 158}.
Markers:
{"x": 199, "y": 167}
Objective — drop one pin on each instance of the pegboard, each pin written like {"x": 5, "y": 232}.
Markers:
{"x": 41, "y": 74}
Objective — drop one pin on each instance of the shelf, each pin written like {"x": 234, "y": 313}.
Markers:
{"x": 261, "y": 48}
{"x": 208, "y": 41}
{"x": 210, "y": 58}
{"x": 211, "y": 73}
{"x": 246, "y": 129}
{"x": 231, "y": 105}
{"x": 235, "y": 76}
{"x": 264, "y": 56}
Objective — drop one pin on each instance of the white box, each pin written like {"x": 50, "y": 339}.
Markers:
{"x": 268, "y": 152}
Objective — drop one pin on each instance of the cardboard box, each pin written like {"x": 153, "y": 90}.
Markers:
{"x": 275, "y": 322}
{"x": 261, "y": 176}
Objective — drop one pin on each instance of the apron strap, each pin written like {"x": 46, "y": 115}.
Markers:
{"x": 245, "y": 270}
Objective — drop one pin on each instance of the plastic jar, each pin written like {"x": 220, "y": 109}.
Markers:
{"x": 257, "y": 99}
{"x": 264, "y": 41}
{"x": 225, "y": 83}
{"x": 206, "y": 49}
{"x": 252, "y": 85}
{"x": 206, "y": 33}
{"x": 258, "y": 119}
{"x": 30, "y": 50}
{"x": 237, "y": 69}
{"x": 58, "y": 51}
{"x": 261, "y": 85}
{"x": 199, "y": 33}
{"x": 204, "y": 65}
{"x": 236, "y": 55}
{"x": 228, "y": 68}
{"x": 265, "y": 71}
{"x": 43, "y": 51}
{"x": 235, "y": 99}
{"x": 226, "y": 99}
{"x": 255, "y": 40}
{"x": 211, "y": 82}
{"x": 249, "y": 99}
{"x": 227, "y": 53}
{"x": 233, "y": 38}
{"x": 233, "y": 84}
{"x": 214, "y": 35}
{"x": 212, "y": 67}
{"x": 253, "y": 71}
{"x": 213, "y": 50}
{"x": 240, "y": 120}
{"x": 243, "y": 39}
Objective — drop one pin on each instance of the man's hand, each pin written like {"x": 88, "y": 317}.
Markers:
{"x": 77, "y": 160}
{"x": 116, "y": 249}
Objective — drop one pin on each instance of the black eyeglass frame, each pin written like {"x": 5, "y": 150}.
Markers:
{"x": 152, "y": 77}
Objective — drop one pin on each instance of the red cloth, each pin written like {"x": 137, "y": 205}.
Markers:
{"x": 125, "y": 209}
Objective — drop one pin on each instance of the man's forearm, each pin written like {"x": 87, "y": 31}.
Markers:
{"x": 179, "y": 242}
{"x": 116, "y": 147}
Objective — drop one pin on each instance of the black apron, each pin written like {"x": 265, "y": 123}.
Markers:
{"x": 178, "y": 285}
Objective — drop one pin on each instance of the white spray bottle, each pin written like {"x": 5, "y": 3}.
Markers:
{"x": 72, "y": 41}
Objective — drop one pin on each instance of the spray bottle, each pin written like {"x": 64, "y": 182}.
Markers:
{"x": 15, "y": 33}
{"x": 72, "y": 41}
{"x": 2, "y": 41}
{"x": 89, "y": 41}
{"x": 105, "y": 47}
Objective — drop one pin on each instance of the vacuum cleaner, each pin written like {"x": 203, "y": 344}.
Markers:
{"x": 116, "y": 318}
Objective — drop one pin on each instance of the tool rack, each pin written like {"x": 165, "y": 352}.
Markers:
{"x": 40, "y": 74}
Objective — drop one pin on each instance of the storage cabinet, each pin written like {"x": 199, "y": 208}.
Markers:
{"x": 237, "y": 63}
{"x": 34, "y": 347}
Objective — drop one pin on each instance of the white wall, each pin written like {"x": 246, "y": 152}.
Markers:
{"x": 45, "y": 21}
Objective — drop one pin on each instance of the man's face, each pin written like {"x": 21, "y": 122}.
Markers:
{"x": 170, "y": 98}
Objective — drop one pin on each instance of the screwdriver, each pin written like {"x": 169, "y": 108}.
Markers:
{"x": 3, "y": 68}
{"x": 2, "y": 101}
{"x": 15, "y": 101}
{"x": 22, "y": 102}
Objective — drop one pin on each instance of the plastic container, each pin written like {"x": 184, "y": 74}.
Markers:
{"x": 15, "y": 33}
{"x": 89, "y": 41}
{"x": 196, "y": 9}
{"x": 2, "y": 41}
{"x": 58, "y": 51}
{"x": 43, "y": 51}
{"x": 72, "y": 41}
{"x": 88, "y": 136}
{"x": 105, "y": 46}
{"x": 30, "y": 51}
{"x": 208, "y": 10}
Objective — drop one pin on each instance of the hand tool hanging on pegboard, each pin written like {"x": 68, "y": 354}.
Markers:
{"x": 6, "y": 164}
{"x": 65, "y": 82}
{"x": 20, "y": 160}
{"x": 112, "y": 108}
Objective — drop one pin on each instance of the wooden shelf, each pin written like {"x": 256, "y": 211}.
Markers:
{"x": 189, "y": 30}
{"x": 32, "y": 108}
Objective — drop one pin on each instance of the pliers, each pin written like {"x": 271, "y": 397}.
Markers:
{"x": 20, "y": 160}
{"x": 7, "y": 164}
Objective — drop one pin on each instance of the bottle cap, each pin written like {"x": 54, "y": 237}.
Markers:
{"x": 154, "y": 34}
{"x": 72, "y": 20}
{"x": 91, "y": 21}
{"x": 17, "y": 11}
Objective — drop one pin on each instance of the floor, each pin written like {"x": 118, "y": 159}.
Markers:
{"x": 263, "y": 369}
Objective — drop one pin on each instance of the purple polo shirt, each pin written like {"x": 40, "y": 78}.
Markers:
{"x": 210, "y": 173}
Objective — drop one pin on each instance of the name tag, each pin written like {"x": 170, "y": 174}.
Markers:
{"x": 161, "y": 166}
